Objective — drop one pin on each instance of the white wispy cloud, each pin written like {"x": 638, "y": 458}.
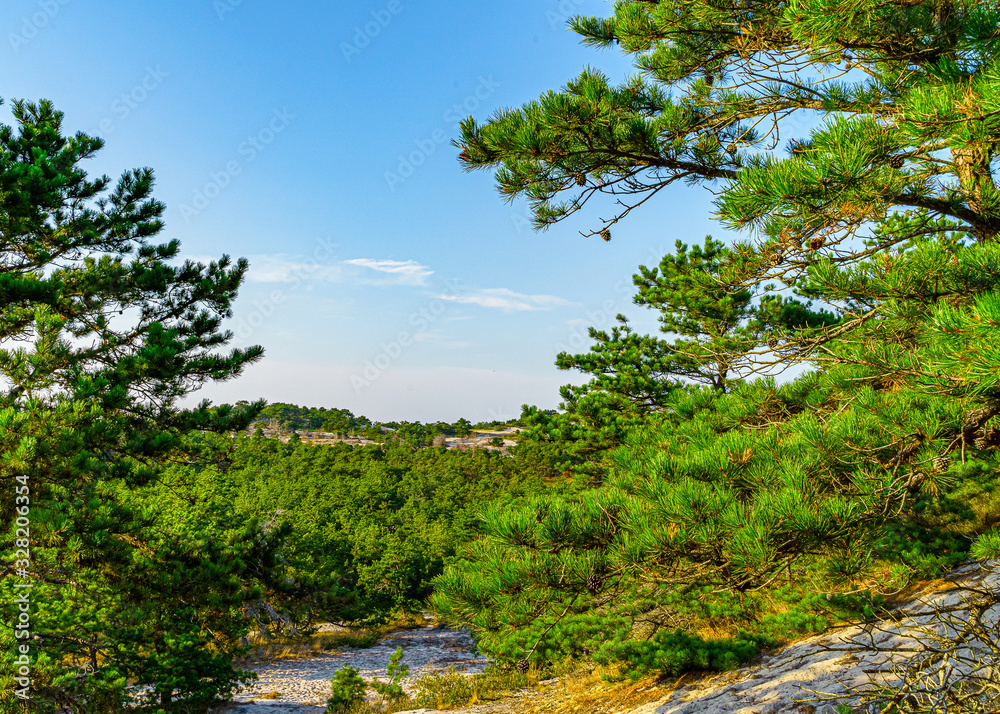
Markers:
{"x": 284, "y": 268}
{"x": 402, "y": 272}
{"x": 507, "y": 300}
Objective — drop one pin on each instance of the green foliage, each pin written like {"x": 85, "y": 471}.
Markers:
{"x": 395, "y": 671}
{"x": 987, "y": 546}
{"x": 453, "y": 689}
{"x": 675, "y": 652}
{"x": 102, "y": 332}
{"x": 743, "y": 508}
{"x": 729, "y": 511}
{"x": 347, "y": 687}
{"x": 463, "y": 427}
{"x": 290, "y": 417}
{"x": 444, "y": 689}
{"x": 707, "y": 98}
{"x": 574, "y": 445}
{"x": 368, "y": 528}
{"x": 675, "y": 516}
{"x": 715, "y": 335}
{"x": 294, "y": 418}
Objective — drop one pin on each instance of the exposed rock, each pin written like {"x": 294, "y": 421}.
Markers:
{"x": 793, "y": 679}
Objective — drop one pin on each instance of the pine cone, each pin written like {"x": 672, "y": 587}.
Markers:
{"x": 580, "y": 178}
{"x": 731, "y": 149}
{"x": 981, "y": 442}
{"x": 606, "y": 235}
{"x": 816, "y": 243}
{"x": 772, "y": 342}
{"x": 775, "y": 259}
{"x": 709, "y": 79}
{"x": 896, "y": 162}
{"x": 594, "y": 583}
{"x": 522, "y": 666}
{"x": 941, "y": 463}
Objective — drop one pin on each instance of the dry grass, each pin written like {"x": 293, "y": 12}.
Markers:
{"x": 451, "y": 689}
{"x": 304, "y": 646}
{"x": 919, "y": 589}
{"x": 590, "y": 692}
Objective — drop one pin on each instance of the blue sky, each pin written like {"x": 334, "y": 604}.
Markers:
{"x": 314, "y": 139}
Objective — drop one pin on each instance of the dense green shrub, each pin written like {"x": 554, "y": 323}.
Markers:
{"x": 709, "y": 520}
{"x": 367, "y": 528}
{"x": 677, "y": 651}
{"x": 347, "y": 687}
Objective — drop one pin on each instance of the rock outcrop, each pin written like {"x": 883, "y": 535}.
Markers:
{"x": 808, "y": 677}
{"x": 796, "y": 678}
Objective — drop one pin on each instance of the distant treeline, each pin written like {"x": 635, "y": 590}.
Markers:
{"x": 292, "y": 417}
{"x": 343, "y": 421}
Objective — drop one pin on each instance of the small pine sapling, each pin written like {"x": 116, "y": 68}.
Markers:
{"x": 346, "y": 688}
{"x": 395, "y": 671}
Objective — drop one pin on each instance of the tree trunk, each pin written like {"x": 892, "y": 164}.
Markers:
{"x": 972, "y": 167}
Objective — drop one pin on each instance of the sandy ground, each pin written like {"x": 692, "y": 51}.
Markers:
{"x": 302, "y": 685}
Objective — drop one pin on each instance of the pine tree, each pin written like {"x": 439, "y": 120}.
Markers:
{"x": 891, "y": 107}
{"x": 102, "y": 331}
{"x": 711, "y": 336}
{"x": 714, "y": 331}
{"x": 876, "y": 468}
{"x": 884, "y": 207}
